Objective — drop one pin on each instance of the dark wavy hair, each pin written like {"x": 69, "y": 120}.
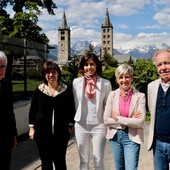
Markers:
{"x": 48, "y": 67}
{"x": 96, "y": 61}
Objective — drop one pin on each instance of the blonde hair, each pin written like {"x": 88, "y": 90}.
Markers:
{"x": 123, "y": 69}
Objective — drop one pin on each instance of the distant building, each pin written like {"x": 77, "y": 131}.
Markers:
{"x": 63, "y": 42}
{"x": 31, "y": 63}
{"x": 123, "y": 58}
{"x": 107, "y": 35}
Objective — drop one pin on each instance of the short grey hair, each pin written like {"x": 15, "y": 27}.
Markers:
{"x": 3, "y": 56}
{"x": 123, "y": 69}
{"x": 158, "y": 52}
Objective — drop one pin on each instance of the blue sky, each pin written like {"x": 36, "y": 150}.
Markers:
{"x": 135, "y": 22}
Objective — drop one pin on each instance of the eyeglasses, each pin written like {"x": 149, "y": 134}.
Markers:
{"x": 164, "y": 99}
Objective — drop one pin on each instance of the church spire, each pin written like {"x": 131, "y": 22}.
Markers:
{"x": 107, "y": 19}
{"x": 107, "y": 36}
{"x": 64, "y": 22}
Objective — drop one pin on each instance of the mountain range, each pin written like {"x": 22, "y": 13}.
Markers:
{"x": 136, "y": 52}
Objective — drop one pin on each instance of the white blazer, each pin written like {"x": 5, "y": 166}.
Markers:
{"x": 103, "y": 87}
{"x": 152, "y": 97}
{"x": 135, "y": 126}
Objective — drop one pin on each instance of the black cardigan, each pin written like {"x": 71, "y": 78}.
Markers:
{"x": 42, "y": 107}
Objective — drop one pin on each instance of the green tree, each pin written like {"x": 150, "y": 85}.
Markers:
{"x": 67, "y": 77}
{"x": 109, "y": 61}
{"x": 19, "y": 5}
{"x": 25, "y": 26}
{"x": 5, "y": 22}
{"x": 110, "y": 75}
{"x": 70, "y": 70}
{"x": 144, "y": 72}
{"x": 24, "y": 22}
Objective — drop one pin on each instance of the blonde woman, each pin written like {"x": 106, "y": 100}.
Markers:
{"x": 124, "y": 117}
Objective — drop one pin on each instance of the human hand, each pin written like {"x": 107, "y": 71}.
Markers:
{"x": 86, "y": 75}
{"x": 137, "y": 115}
{"x": 31, "y": 133}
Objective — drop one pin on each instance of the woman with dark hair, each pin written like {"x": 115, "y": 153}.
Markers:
{"x": 51, "y": 117}
{"x": 90, "y": 95}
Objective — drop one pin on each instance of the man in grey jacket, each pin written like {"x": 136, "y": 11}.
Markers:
{"x": 159, "y": 108}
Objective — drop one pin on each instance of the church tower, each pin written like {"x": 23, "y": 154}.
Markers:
{"x": 107, "y": 36}
{"x": 63, "y": 42}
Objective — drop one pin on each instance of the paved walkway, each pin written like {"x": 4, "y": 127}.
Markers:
{"x": 25, "y": 156}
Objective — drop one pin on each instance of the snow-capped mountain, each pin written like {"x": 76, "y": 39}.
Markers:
{"x": 137, "y": 52}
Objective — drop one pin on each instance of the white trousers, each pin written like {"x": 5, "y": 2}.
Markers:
{"x": 95, "y": 134}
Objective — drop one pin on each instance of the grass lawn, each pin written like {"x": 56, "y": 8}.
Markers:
{"x": 18, "y": 85}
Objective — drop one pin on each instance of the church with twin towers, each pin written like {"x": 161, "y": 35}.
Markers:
{"x": 64, "y": 40}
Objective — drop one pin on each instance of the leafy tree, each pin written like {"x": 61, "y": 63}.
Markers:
{"x": 144, "y": 72}
{"x": 5, "y": 22}
{"x": 110, "y": 75}
{"x": 19, "y": 5}
{"x": 109, "y": 61}
{"x": 67, "y": 77}
{"x": 70, "y": 70}
{"x": 72, "y": 65}
{"x": 24, "y": 22}
{"x": 25, "y": 26}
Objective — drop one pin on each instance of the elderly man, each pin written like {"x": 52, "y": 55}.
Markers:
{"x": 159, "y": 108}
{"x": 8, "y": 131}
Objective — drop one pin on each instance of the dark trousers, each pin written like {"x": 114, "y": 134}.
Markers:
{"x": 53, "y": 150}
{"x": 5, "y": 151}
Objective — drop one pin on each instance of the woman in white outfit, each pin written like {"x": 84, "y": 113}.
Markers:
{"x": 90, "y": 95}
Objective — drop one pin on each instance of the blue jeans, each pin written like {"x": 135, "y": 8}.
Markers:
{"x": 125, "y": 152}
{"x": 161, "y": 155}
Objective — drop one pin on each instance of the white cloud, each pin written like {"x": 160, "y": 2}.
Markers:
{"x": 81, "y": 34}
{"x": 150, "y": 27}
{"x": 53, "y": 36}
{"x": 126, "y": 41}
{"x": 126, "y": 8}
{"x": 163, "y": 17}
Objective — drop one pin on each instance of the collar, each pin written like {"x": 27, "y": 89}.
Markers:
{"x": 165, "y": 86}
{"x": 45, "y": 89}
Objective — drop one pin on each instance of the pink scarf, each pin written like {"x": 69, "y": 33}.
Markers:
{"x": 90, "y": 86}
